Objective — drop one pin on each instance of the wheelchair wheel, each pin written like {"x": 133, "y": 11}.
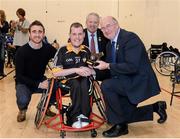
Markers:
{"x": 98, "y": 99}
{"x": 43, "y": 104}
{"x": 40, "y": 108}
{"x": 62, "y": 134}
{"x": 164, "y": 62}
{"x": 93, "y": 133}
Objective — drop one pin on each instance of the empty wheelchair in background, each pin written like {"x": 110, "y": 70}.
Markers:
{"x": 155, "y": 50}
{"x": 165, "y": 62}
{"x": 175, "y": 78}
{"x": 58, "y": 122}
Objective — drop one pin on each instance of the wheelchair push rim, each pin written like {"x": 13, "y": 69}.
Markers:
{"x": 164, "y": 63}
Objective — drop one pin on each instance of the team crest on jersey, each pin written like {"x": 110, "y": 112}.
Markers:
{"x": 84, "y": 59}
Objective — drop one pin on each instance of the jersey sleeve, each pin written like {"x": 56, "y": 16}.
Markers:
{"x": 58, "y": 59}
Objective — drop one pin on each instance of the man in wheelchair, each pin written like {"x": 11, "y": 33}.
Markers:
{"x": 70, "y": 61}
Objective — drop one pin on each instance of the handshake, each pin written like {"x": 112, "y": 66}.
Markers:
{"x": 93, "y": 58}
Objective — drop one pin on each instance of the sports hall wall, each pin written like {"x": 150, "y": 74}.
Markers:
{"x": 155, "y": 21}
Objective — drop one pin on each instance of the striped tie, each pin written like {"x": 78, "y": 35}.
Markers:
{"x": 93, "y": 50}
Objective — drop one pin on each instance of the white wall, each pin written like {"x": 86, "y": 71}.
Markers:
{"x": 155, "y": 21}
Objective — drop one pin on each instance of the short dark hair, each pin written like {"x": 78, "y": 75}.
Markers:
{"x": 37, "y": 23}
{"x": 76, "y": 25}
{"x": 3, "y": 16}
{"x": 21, "y": 11}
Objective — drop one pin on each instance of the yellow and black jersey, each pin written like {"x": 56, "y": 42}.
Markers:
{"x": 66, "y": 58}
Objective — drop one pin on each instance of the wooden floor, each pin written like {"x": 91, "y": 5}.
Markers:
{"x": 9, "y": 127}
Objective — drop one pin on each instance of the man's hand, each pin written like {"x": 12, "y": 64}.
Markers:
{"x": 102, "y": 65}
{"x": 84, "y": 71}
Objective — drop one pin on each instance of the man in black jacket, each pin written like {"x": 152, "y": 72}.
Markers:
{"x": 31, "y": 61}
{"x": 94, "y": 37}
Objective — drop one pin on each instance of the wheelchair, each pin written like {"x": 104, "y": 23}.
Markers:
{"x": 175, "y": 78}
{"x": 165, "y": 61}
{"x": 58, "y": 122}
{"x": 155, "y": 50}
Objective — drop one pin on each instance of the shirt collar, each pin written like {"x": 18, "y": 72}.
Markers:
{"x": 116, "y": 37}
{"x": 89, "y": 33}
{"x": 34, "y": 47}
{"x": 70, "y": 48}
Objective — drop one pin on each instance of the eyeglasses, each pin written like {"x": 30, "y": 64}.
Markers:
{"x": 107, "y": 27}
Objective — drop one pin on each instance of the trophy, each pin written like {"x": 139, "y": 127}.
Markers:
{"x": 93, "y": 58}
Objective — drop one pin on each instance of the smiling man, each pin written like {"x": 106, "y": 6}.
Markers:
{"x": 31, "y": 61}
{"x": 71, "y": 61}
{"x": 127, "y": 80}
{"x": 94, "y": 37}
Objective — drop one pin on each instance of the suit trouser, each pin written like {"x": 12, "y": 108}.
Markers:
{"x": 79, "y": 93}
{"x": 118, "y": 107}
{"x": 24, "y": 94}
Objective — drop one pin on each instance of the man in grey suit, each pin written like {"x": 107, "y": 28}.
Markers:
{"x": 94, "y": 37}
{"x": 127, "y": 80}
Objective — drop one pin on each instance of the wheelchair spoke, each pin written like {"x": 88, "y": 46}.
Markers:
{"x": 43, "y": 104}
{"x": 98, "y": 99}
{"x": 164, "y": 62}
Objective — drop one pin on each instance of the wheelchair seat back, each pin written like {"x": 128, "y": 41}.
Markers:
{"x": 155, "y": 51}
{"x": 175, "y": 50}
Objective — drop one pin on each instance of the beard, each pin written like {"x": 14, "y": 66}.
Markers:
{"x": 36, "y": 40}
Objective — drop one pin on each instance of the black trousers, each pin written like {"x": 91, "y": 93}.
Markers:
{"x": 2, "y": 53}
{"x": 10, "y": 54}
{"x": 1, "y": 66}
{"x": 118, "y": 107}
{"x": 79, "y": 94}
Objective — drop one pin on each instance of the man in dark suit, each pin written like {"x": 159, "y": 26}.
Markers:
{"x": 94, "y": 37}
{"x": 127, "y": 80}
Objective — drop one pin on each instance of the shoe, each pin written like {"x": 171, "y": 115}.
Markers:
{"x": 76, "y": 124}
{"x": 10, "y": 66}
{"x": 116, "y": 130}
{"x": 50, "y": 113}
{"x": 84, "y": 121}
{"x": 21, "y": 116}
{"x": 83, "y": 124}
{"x": 2, "y": 74}
{"x": 160, "y": 108}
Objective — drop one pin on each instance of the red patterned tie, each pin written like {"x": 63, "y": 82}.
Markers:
{"x": 93, "y": 50}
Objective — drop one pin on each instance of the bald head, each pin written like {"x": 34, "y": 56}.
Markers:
{"x": 109, "y": 26}
{"x": 109, "y": 19}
